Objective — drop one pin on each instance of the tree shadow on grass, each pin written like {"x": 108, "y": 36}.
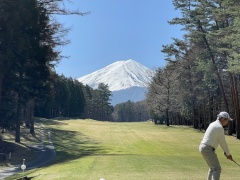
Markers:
{"x": 18, "y": 152}
{"x": 51, "y": 121}
{"x": 71, "y": 145}
{"x": 56, "y": 121}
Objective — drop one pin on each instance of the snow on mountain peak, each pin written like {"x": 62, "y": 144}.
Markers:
{"x": 119, "y": 75}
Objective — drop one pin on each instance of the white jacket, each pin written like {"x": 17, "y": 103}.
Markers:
{"x": 214, "y": 135}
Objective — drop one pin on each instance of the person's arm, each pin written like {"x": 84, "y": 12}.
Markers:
{"x": 223, "y": 143}
{"x": 224, "y": 146}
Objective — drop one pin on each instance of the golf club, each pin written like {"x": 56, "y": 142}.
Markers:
{"x": 232, "y": 160}
{"x": 236, "y": 162}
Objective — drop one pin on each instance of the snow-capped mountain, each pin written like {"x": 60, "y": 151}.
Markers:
{"x": 126, "y": 79}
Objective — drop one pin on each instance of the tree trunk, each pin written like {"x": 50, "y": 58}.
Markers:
{"x": 26, "y": 115}
{"x": 31, "y": 117}
{"x": 237, "y": 120}
{"x": 168, "y": 104}
{"x": 235, "y": 100}
{"x": 167, "y": 117}
{"x": 192, "y": 100}
{"x": 19, "y": 110}
{"x": 210, "y": 109}
{"x": 18, "y": 119}
{"x": 230, "y": 124}
{"x": 1, "y": 81}
{"x": 215, "y": 66}
{"x": 194, "y": 116}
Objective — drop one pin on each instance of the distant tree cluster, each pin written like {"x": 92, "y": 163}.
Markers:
{"x": 202, "y": 74}
{"x": 131, "y": 112}
{"x": 98, "y": 103}
{"x": 70, "y": 98}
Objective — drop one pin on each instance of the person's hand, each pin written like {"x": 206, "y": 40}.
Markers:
{"x": 228, "y": 156}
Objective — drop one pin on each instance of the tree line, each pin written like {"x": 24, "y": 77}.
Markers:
{"x": 131, "y": 112}
{"x": 201, "y": 77}
{"x": 29, "y": 40}
{"x": 30, "y": 37}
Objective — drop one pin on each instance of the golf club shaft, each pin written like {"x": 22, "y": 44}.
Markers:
{"x": 236, "y": 163}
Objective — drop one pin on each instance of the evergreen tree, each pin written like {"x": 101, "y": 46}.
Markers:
{"x": 161, "y": 96}
{"x": 103, "y": 98}
{"x": 29, "y": 36}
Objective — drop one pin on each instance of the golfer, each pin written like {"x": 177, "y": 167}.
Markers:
{"x": 213, "y": 136}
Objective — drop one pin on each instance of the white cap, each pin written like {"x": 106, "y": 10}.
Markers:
{"x": 224, "y": 114}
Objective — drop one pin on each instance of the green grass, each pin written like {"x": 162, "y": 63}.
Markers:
{"x": 90, "y": 150}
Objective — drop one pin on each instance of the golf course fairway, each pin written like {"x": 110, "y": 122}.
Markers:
{"x": 91, "y": 150}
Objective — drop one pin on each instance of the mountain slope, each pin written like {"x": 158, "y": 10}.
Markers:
{"x": 119, "y": 75}
{"x": 128, "y": 80}
{"x": 133, "y": 93}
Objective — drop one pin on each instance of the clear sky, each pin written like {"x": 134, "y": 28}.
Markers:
{"x": 117, "y": 30}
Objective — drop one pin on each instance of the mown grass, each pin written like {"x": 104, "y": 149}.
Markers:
{"x": 90, "y": 150}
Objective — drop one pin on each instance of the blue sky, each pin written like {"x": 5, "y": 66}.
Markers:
{"x": 117, "y": 30}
